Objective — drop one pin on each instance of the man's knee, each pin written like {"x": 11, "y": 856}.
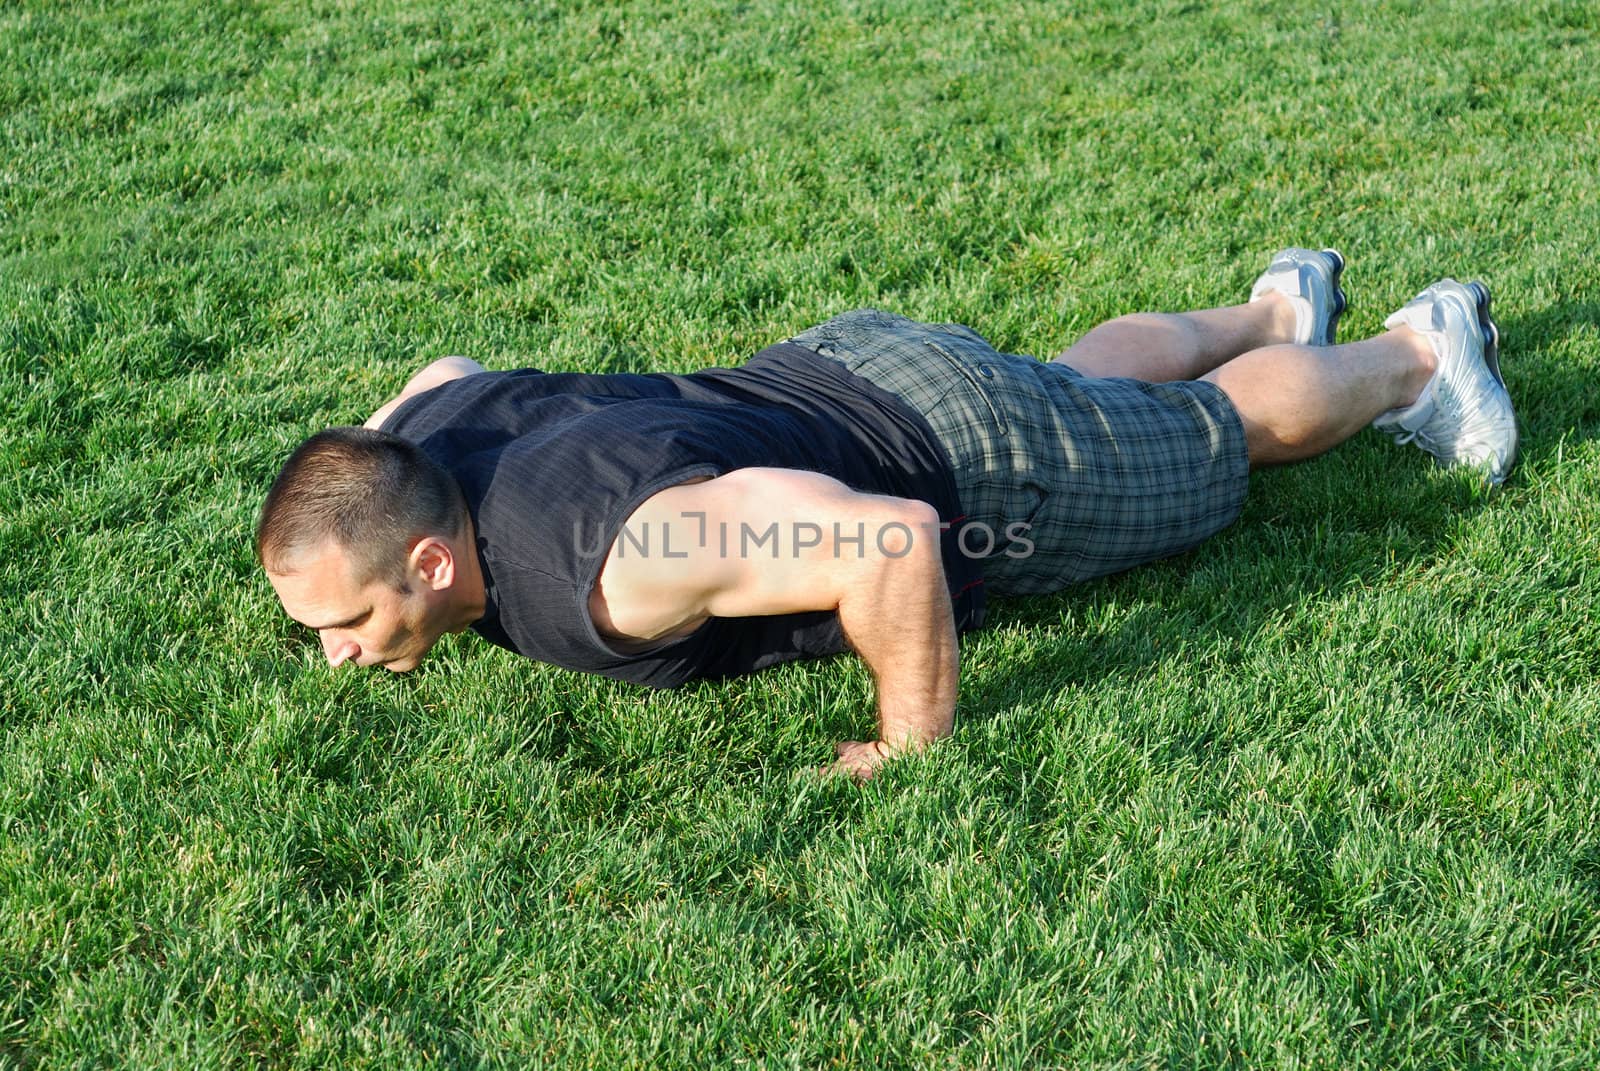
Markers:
{"x": 1151, "y": 341}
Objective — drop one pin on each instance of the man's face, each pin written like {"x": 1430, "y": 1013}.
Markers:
{"x": 369, "y": 624}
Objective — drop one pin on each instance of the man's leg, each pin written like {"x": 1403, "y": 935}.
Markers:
{"x": 1161, "y": 347}
{"x": 1297, "y": 299}
{"x": 1433, "y": 380}
{"x": 1300, "y": 401}
{"x": 1296, "y": 401}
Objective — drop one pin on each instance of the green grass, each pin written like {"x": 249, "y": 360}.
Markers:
{"x": 1324, "y": 794}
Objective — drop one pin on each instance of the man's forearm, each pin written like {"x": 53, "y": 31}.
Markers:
{"x": 903, "y": 626}
{"x": 919, "y": 706}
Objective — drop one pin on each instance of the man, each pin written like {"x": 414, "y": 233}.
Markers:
{"x": 859, "y": 486}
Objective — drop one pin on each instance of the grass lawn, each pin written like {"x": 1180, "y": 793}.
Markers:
{"x": 1325, "y": 794}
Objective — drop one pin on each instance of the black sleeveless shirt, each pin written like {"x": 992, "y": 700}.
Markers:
{"x": 552, "y": 464}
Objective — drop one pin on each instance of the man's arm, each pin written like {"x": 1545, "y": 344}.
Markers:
{"x": 441, "y": 371}
{"x": 772, "y": 541}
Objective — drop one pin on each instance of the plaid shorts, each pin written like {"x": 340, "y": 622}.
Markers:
{"x": 1063, "y": 477}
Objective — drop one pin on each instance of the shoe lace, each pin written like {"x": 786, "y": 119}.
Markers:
{"x": 1477, "y": 425}
{"x": 1406, "y": 438}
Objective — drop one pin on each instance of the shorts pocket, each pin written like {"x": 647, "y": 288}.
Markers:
{"x": 975, "y": 380}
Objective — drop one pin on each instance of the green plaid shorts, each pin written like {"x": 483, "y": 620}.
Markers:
{"x": 1063, "y": 477}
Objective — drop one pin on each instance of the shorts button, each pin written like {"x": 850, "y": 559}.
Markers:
{"x": 986, "y": 371}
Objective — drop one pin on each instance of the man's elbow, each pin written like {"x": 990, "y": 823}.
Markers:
{"x": 909, "y": 529}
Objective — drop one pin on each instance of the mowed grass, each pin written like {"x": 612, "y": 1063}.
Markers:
{"x": 1323, "y": 794}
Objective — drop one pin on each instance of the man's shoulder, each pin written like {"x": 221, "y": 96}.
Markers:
{"x": 435, "y": 374}
{"x": 448, "y": 400}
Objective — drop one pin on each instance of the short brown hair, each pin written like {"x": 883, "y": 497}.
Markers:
{"x": 373, "y": 493}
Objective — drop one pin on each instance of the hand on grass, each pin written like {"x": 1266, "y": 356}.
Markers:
{"x": 859, "y": 759}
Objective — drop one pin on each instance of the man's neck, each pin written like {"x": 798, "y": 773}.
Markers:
{"x": 471, "y": 597}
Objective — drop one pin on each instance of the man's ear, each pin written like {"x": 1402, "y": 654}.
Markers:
{"x": 433, "y": 562}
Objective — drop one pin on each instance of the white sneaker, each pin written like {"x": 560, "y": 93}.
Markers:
{"x": 1463, "y": 416}
{"x": 1310, "y": 279}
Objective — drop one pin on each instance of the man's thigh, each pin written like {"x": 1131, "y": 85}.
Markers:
{"x": 1134, "y": 472}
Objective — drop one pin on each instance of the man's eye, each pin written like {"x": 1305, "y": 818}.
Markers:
{"x": 354, "y": 622}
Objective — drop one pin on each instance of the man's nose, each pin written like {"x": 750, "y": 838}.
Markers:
{"x": 339, "y": 649}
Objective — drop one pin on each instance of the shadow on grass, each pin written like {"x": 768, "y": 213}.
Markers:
{"x": 1308, "y": 531}
{"x": 1554, "y": 396}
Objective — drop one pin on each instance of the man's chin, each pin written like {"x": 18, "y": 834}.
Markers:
{"x": 403, "y": 665}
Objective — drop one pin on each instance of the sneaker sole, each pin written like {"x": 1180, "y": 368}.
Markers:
{"x": 1486, "y": 327}
{"x": 1340, "y": 302}
{"x": 1491, "y": 357}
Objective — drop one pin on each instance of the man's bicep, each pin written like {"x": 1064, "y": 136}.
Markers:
{"x": 751, "y": 543}
{"x": 783, "y": 541}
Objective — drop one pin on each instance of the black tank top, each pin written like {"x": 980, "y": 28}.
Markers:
{"x": 552, "y": 464}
